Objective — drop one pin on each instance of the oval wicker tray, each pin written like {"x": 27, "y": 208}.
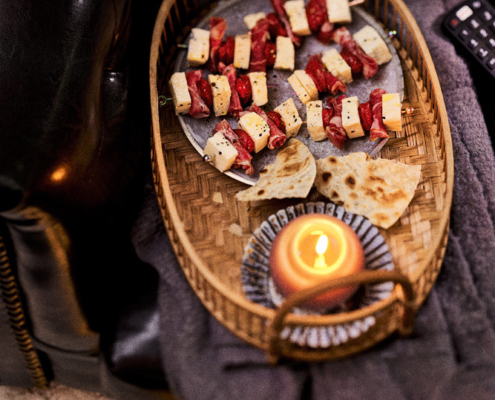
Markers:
{"x": 209, "y": 229}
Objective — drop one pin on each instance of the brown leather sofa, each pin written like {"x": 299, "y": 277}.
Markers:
{"x": 78, "y": 306}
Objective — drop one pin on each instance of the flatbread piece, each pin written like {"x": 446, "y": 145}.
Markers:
{"x": 378, "y": 189}
{"x": 292, "y": 174}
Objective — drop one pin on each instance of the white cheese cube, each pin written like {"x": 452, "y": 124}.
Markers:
{"x": 284, "y": 59}
{"x": 299, "y": 89}
{"x": 251, "y": 19}
{"x": 242, "y": 51}
{"x": 221, "y": 93}
{"x": 259, "y": 88}
{"x": 221, "y": 152}
{"x": 391, "y": 111}
{"x": 257, "y": 128}
{"x": 307, "y": 83}
{"x": 350, "y": 118}
{"x": 289, "y": 114}
{"x": 339, "y": 11}
{"x": 373, "y": 45}
{"x": 314, "y": 120}
{"x": 198, "y": 50}
{"x": 180, "y": 93}
{"x": 337, "y": 65}
{"x": 296, "y": 11}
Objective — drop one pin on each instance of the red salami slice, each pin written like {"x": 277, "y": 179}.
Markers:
{"x": 352, "y": 61}
{"x": 205, "y": 92}
{"x": 334, "y": 84}
{"x": 277, "y": 120}
{"x": 226, "y": 51}
{"x": 344, "y": 38}
{"x": 322, "y": 28}
{"x": 316, "y": 70}
{"x": 198, "y": 109}
{"x": 245, "y": 139}
{"x": 235, "y": 106}
{"x": 244, "y": 89}
{"x": 327, "y": 115}
{"x": 277, "y": 137}
{"x": 276, "y": 27}
{"x": 365, "y": 115}
{"x": 270, "y": 53}
{"x": 377, "y": 128}
{"x": 243, "y": 159}
{"x": 259, "y": 35}
{"x": 335, "y": 130}
{"x": 218, "y": 26}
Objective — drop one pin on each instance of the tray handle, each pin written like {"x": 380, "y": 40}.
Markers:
{"x": 362, "y": 277}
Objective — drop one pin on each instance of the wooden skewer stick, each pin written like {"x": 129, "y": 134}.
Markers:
{"x": 408, "y": 111}
{"x": 355, "y": 3}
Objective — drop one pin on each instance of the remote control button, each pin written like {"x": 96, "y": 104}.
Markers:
{"x": 464, "y": 13}
{"x": 482, "y": 52}
{"x": 491, "y": 63}
{"x": 454, "y": 23}
{"x": 482, "y": 34}
{"x": 487, "y": 16}
{"x": 464, "y": 34}
{"x": 473, "y": 43}
{"x": 474, "y": 24}
{"x": 491, "y": 43}
{"x": 476, "y": 4}
{"x": 492, "y": 26}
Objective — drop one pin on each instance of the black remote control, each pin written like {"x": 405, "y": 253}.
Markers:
{"x": 471, "y": 24}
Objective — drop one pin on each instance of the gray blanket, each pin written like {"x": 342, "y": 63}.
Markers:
{"x": 451, "y": 354}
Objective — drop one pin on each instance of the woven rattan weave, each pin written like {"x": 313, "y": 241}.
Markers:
{"x": 209, "y": 229}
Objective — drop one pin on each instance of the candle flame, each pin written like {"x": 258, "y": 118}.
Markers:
{"x": 321, "y": 247}
{"x": 322, "y": 244}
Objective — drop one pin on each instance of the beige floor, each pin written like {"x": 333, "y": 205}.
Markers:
{"x": 54, "y": 392}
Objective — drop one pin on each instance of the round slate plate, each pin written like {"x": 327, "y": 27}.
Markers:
{"x": 388, "y": 77}
{"x": 258, "y": 285}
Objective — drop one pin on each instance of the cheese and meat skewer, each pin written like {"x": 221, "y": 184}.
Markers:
{"x": 344, "y": 38}
{"x": 315, "y": 79}
{"x": 277, "y": 137}
{"x": 256, "y": 127}
{"x": 323, "y": 78}
{"x": 219, "y": 148}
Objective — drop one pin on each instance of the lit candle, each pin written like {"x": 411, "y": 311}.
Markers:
{"x": 314, "y": 248}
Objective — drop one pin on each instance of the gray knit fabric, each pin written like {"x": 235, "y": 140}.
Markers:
{"x": 451, "y": 354}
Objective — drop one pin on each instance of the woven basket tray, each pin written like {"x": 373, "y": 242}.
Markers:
{"x": 209, "y": 229}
